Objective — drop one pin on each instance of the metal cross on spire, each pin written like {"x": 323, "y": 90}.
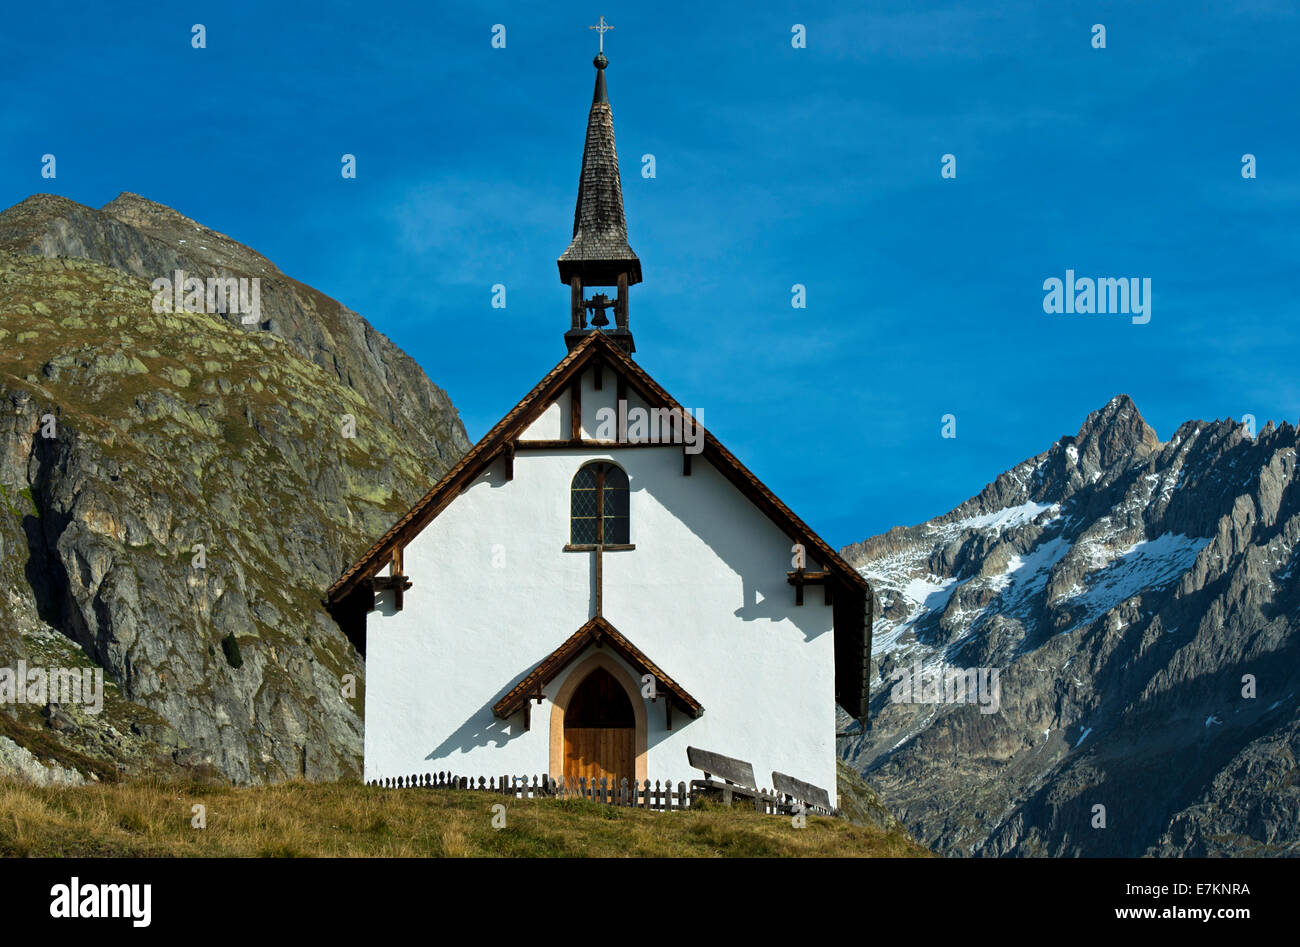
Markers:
{"x": 602, "y": 28}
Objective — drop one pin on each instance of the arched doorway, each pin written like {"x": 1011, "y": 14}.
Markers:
{"x": 599, "y": 730}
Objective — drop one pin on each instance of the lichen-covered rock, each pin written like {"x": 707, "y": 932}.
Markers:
{"x": 177, "y": 487}
{"x": 18, "y": 761}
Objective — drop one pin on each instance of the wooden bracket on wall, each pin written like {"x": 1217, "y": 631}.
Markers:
{"x": 668, "y": 705}
{"x": 508, "y": 452}
{"x": 528, "y": 710}
{"x": 799, "y": 578}
{"x": 398, "y": 583}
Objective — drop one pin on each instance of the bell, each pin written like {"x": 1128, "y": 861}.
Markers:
{"x": 599, "y": 304}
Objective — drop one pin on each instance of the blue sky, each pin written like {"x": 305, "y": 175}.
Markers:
{"x": 775, "y": 166}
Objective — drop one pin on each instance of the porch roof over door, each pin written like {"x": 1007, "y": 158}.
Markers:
{"x": 601, "y": 632}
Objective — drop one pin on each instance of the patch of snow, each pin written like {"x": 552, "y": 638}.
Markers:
{"x": 1027, "y": 576}
{"x": 1004, "y": 519}
{"x": 921, "y": 596}
{"x": 930, "y": 593}
{"x": 1148, "y": 564}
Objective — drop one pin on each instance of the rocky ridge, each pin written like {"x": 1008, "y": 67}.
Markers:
{"x": 1131, "y": 593}
{"x": 198, "y": 493}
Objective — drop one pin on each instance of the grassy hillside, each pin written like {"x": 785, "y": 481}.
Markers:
{"x": 153, "y": 818}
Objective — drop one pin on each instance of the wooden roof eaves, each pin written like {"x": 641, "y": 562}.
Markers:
{"x": 529, "y": 408}
{"x": 557, "y": 660}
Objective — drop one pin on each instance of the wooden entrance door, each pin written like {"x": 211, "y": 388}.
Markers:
{"x": 600, "y": 731}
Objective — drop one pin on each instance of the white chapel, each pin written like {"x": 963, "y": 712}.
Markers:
{"x": 599, "y": 582}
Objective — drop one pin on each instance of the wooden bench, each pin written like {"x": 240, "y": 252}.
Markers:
{"x": 810, "y": 795}
{"x": 737, "y": 777}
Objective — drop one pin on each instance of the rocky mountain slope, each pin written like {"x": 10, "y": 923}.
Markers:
{"x": 1141, "y": 601}
{"x": 198, "y": 493}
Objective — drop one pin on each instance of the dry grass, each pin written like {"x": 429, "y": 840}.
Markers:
{"x": 152, "y": 818}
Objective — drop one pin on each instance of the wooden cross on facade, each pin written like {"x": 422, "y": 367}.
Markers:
{"x": 601, "y": 28}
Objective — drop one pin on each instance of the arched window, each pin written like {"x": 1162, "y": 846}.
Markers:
{"x": 598, "y": 506}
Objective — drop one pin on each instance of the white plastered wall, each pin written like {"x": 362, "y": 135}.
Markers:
{"x": 703, "y": 595}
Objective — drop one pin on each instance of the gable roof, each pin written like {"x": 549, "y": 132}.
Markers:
{"x": 853, "y": 617}
{"x": 595, "y": 630}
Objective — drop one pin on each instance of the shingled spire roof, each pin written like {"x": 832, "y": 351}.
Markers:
{"x": 599, "y": 250}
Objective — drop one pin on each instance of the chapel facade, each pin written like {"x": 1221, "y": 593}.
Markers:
{"x": 599, "y": 582}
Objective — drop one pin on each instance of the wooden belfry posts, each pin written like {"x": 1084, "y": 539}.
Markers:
{"x": 578, "y": 305}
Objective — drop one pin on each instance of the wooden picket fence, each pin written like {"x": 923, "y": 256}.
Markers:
{"x": 659, "y": 797}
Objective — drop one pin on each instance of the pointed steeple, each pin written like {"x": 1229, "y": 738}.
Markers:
{"x": 599, "y": 254}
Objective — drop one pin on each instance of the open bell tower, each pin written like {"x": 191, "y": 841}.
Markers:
{"x": 599, "y": 255}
